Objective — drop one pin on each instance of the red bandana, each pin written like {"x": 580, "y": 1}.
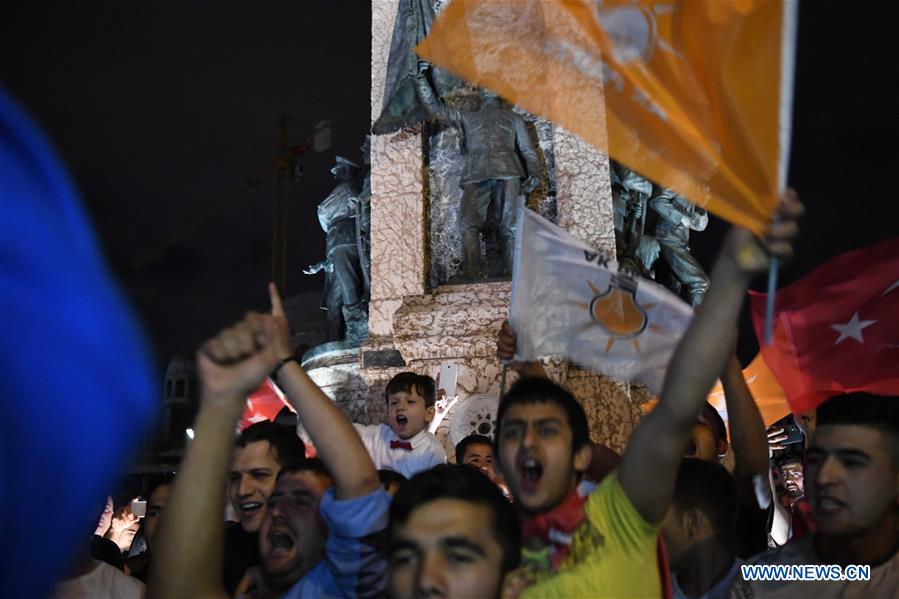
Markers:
{"x": 557, "y": 526}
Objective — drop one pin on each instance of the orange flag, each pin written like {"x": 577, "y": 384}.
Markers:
{"x": 697, "y": 94}
{"x": 766, "y": 391}
{"x": 769, "y": 397}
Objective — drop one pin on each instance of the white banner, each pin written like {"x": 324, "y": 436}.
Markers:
{"x": 568, "y": 300}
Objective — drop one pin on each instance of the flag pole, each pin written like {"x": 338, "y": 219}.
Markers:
{"x": 787, "y": 70}
{"x": 769, "y": 300}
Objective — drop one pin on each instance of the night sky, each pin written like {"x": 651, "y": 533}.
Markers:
{"x": 162, "y": 109}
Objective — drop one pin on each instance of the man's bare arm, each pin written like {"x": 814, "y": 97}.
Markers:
{"x": 188, "y": 560}
{"x": 748, "y": 438}
{"x": 336, "y": 440}
{"x": 650, "y": 463}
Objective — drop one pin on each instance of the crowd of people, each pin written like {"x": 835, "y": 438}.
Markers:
{"x": 540, "y": 510}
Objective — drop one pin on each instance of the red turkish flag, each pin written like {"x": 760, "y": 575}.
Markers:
{"x": 837, "y": 329}
{"x": 263, "y": 404}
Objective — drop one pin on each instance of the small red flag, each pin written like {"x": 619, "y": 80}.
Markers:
{"x": 837, "y": 329}
{"x": 263, "y": 404}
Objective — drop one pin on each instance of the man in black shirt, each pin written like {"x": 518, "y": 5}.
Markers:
{"x": 260, "y": 452}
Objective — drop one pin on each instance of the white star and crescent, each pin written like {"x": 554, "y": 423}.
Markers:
{"x": 891, "y": 287}
{"x": 853, "y": 329}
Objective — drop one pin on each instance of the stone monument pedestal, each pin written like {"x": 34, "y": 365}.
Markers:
{"x": 416, "y": 327}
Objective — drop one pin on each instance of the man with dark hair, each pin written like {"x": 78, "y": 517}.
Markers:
{"x": 699, "y": 531}
{"x": 404, "y": 443}
{"x": 391, "y": 480}
{"x": 852, "y": 484}
{"x": 290, "y": 540}
{"x": 260, "y": 451}
{"x": 749, "y": 448}
{"x": 282, "y": 439}
{"x": 318, "y": 539}
{"x": 708, "y": 441}
{"x": 538, "y": 390}
{"x": 452, "y": 534}
{"x": 604, "y": 543}
{"x": 160, "y": 489}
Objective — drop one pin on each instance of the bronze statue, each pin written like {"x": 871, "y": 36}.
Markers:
{"x": 630, "y": 192}
{"x": 402, "y": 107}
{"x": 363, "y": 215}
{"x": 677, "y": 218}
{"x": 344, "y": 295}
{"x": 500, "y": 163}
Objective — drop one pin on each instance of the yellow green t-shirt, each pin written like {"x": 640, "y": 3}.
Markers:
{"x": 613, "y": 553}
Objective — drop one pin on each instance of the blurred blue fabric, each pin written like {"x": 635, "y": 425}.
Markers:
{"x": 78, "y": 388}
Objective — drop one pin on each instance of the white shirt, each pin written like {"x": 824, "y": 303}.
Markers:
{"x": 426, "y": 451}
{"x": 101, "y": 582}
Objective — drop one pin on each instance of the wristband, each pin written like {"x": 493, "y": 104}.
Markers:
{"x": 281, "y": 364}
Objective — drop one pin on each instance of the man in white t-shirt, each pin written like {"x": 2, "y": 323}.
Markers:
{"x": 92, "y": 579}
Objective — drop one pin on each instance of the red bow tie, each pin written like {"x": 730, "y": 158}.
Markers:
{"x": 401, "y": 445}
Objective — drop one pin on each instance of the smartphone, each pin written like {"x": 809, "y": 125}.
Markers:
{"x": 139, "y": 508}
{"x": 793, "y": 432}
{"x": 449, "y": 374}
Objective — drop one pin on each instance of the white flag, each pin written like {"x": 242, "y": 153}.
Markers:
{"x": 569, "y": 300}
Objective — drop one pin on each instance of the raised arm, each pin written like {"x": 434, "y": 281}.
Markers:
{"x": 505, "y": 351}
{"x": 650, "y": 463}
{"x": 748, "y": 438}
{"x": 188, "y": 560}
{"x": 336, "y": 440}
{"x": 435, "y": 107}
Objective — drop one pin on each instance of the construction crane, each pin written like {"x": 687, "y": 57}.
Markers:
{"x": 285, "y": 168}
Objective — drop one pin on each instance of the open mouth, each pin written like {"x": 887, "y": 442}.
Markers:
{"x": 691, "y": 449}
{"x": 280, "y": 541}
{"x": 827, "y": 506}
{"x": 402, "y": 420}
{"x": 530, "y": 472}
{"x": 250, "y": 508}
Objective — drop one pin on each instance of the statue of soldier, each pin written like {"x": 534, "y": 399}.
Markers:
{"x": 677, "y": 218}
{"x": 363, "y": 220}
{"x": 636, "y": 251}
{"x": 402, "y": 106}
{"x": 344, "y": 293}
{"x": 500, "y": 163}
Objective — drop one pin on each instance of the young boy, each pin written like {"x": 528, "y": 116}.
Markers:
{"x": 605, "y": 543}
{"x": 404, "y": 443}
{"x": 477, "y": 451}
